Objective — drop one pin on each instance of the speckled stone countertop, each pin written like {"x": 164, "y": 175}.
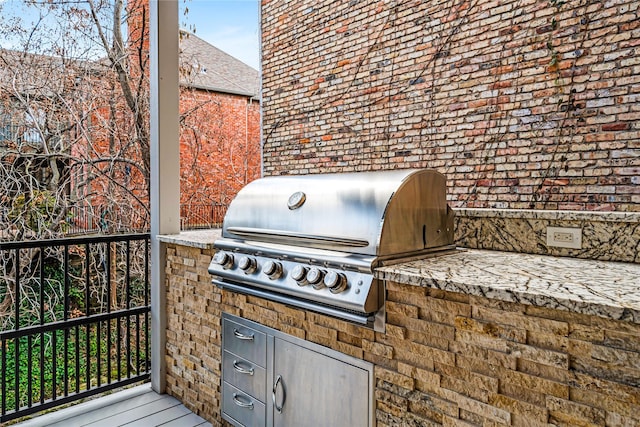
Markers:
{"x": 601, "y": 288}
{"x": 554, "y": 215}
{"x": 202, "y": 239}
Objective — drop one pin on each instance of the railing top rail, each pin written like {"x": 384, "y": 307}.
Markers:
{"x": 29, "y": 244}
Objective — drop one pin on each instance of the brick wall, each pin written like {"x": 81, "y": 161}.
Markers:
{"x": 521, "y": 103}
{"x": 219, "y": 145}
{"x": 445, "y": 359}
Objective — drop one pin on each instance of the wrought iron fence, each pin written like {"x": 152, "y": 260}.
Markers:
{"x": 91, "y": 220}
{"x": 193, "y": 217}
{"x": 97, "y": 219}
{"x": 74, "y": 320}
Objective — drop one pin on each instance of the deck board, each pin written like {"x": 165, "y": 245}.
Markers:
{"x": 161, "y": 417}
{"x": 101, "y": 413}
{"x": 135, "y": 414}
{"x": 138, "y": 407}
{"x": 189, "y": 419}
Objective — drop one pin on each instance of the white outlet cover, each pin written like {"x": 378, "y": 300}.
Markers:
{"x": 571, "y": 237}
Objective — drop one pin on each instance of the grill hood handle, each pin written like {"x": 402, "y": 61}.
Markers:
{"x": 289, "y": 237}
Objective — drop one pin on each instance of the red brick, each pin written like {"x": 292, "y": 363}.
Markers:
{"x": 471, "y": 91}
{"x": 615, "y": 126}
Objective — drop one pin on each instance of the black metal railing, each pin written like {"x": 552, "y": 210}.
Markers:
{"x": 193, "y": 217}
{"x": 74, "y": 320}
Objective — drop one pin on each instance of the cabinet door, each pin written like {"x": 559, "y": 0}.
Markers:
{"x": 313, "y": 389}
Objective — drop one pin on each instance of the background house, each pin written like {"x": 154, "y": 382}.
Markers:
{"x": 67, "y": 124}
{"x": 220, "y": 148}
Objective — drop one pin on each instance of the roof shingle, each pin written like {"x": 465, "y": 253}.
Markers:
{"x": 204, "y": 66}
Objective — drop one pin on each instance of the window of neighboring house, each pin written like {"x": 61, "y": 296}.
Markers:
{"x": 27, "y": 131}
{"x": 34, "y": 123}
{"x": 5, "y": 129}
{"x": 5, "y": 134}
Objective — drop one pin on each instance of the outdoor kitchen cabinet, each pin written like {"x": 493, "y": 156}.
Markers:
{"x": 274, "y": 379}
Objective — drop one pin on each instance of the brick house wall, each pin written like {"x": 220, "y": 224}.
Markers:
{"x": 219, "y": 145}
{"x": 520, "y": 103}
{"x": 219, "y": 134}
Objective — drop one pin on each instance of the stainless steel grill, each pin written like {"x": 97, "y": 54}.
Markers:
{"x": 313, "y": 241}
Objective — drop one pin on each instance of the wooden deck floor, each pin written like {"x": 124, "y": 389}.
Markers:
{"x": 136, "y": 407}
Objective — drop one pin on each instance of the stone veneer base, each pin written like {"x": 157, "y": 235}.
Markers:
{"x": 446, "y": 358}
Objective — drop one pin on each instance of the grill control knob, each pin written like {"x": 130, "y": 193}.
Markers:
{"x": 247, "y": 264}
{"x": 314, "y": 277}
{"x": 223, "y": 259}
{"x": 336, "y": 282}
{"x": 272, "y": 269}
{"x": 299, "y": 274}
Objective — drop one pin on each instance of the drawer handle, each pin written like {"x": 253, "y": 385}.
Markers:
{"x": 273, "y": 395}
{"x": 240, "y": 403}
{"x": 242, "y": 336}
{"x": 242, "y": 370}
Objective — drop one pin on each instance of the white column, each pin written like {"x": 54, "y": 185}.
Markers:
{"x": 165, "y": 168}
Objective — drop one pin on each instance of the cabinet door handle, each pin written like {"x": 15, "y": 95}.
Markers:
{"x": 242, "y": 370}
{"x": 242, "y": 336}
{"x": 284, "y": 395}
{"x": 240, "y": 403}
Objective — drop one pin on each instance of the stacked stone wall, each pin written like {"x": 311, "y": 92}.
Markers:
{"x": 445, "y": 358}
{"x": 193, "y": 349}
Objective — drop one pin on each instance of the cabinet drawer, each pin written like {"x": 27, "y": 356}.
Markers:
{"x": 244, "y": 375}
{"x": 241, "y": 408}
{"x": 245, "y": 342}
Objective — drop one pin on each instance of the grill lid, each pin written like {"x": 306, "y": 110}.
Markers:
{"x": 371, "y": 213}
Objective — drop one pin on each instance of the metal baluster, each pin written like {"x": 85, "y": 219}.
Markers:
{"x": 87, "y": 302}
{"x": 108, "y": 347}
{"x": 87, "y": 252}
{"x": 128, "y": 305}
{"x": 54, "y": 365}
{"x": 16, "y": 391}
{"x": 88, "y": 356}
{"x": 3, "y": 398}
{"x": 16, "y": 341}
{"x": 98, "y": 353}
{"x": 67, "y": 308}
{"x": 137, "y": 344}
{"x": 146, "y": 243}
{"x": 42, "y": 282}
{"x": 119, "y": 351}
{"x": 29, "y": 372}
{"x": 77, "y": 359}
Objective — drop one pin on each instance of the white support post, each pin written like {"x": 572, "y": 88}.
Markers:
{"x": 165, "y": 168}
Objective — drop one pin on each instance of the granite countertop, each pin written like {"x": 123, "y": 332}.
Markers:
{"x": 595, "y": 216}
{"x": 202, "y": 239}
{"x": 601, "y": 288}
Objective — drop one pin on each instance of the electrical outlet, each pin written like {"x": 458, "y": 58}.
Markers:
{"x": 563, "y": 237}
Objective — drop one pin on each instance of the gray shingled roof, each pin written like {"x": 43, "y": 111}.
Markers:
{"x": 204, "y": 66}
